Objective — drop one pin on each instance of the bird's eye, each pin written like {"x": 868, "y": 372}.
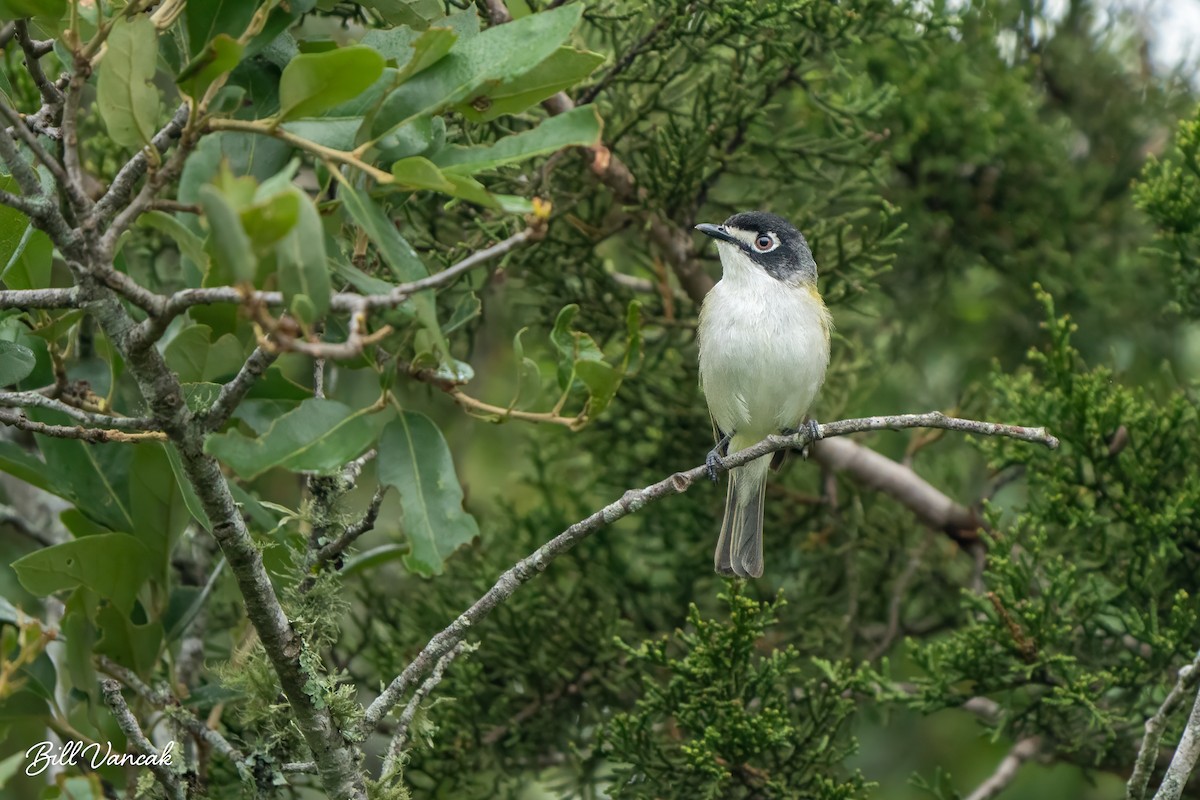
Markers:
{"x": 763, "y": 243}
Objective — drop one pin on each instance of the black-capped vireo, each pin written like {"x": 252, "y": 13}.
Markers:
{"x": 764, "y": 346}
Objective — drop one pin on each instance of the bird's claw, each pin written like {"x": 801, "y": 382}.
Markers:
{"x": 712, "y": 461}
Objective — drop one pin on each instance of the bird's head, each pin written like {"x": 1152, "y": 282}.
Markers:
{"x": 761, "y": 240}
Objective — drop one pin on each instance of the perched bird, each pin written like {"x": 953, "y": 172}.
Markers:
{"x": 764, "y": 346}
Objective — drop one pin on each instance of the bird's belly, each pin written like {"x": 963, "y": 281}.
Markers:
{"x": 762, "y": 365}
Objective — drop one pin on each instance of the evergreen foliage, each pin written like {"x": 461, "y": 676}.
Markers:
{"x": 1003, "y": 199}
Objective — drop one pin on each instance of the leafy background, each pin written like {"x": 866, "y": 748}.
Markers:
{"x": 1002, "y": 201}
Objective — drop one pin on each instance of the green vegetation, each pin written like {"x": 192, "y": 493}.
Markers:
{"x": 316, "y": 318}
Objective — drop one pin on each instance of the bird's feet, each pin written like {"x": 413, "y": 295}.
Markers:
{"x": 712, "y": 461}
{"x": 814, "y": 433}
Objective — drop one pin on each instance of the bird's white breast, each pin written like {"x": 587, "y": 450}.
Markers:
{"x": 764, "y": 348}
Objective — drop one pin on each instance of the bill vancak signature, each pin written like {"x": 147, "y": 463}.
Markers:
{"x": 96, "y": 754}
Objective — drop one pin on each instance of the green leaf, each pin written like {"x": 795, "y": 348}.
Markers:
{"x": 529, "y": 375}
{"x": 16, "y": 361}
{"x": 190, "y": 245}
{"x": 190, "y": 499}
{"x": 573, "y": 346}
{"x": 414, "y": 458}
{"x": 95, "y": 477}
{"x": 399, "y": 257}
{"x": 565, "y": 67}
{"x": 125, "y": 93}
{"x": 420, "y": 173}
{"x": 500, "y": 53}
{"x": 227, "y": 240}
{"x": 30, "y": 261}
{"x": 473, "y": 191}
{"x": 134, "y": 646}
{"x": 411, "y": 51}
{"x": 320, "y": 435}
{"x": 580, "y": 126}
{"x": 51, "y": 10}
{"x": 315, "y": 82}
{"x": 397, "y": 254}
{"x": 25, "y": 467}
{"x": 156, "y": 503}
{"x": 218, "y": 57}
{"x": 300, "y": 257}
{"x": 197, "y": 359}
{"x": 270, "y": 219}
{"x": 601, "y": 380}
{"x": 113, "y": 565}
{"x": 208, "y": 19}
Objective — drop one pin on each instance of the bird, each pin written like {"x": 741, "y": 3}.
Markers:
{"x": 763, "y": 335}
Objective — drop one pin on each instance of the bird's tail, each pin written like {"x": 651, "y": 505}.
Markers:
{"x": 740, "y": 548}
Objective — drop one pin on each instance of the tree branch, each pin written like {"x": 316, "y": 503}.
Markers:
{"x": 632, "y": 501}
{"x": 35, "y": 400}
{"x": 121, "y": 188}
{"x": 94, "y": 435}
{"x": 39, "y": 298}
{"x": 1006, "y": 773}
{"x": 1186, "y": 754}
{"x": 138, "y": 741}
{"x": 400, "y": 739}
{"x": 167, "y": 701}
{"x": 1156, "y": 726}
{"x": 235, "y": 391}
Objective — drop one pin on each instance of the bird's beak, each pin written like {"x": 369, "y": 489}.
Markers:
{"x": 718, "y": 232}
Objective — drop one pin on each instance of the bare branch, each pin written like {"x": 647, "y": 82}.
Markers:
{"x": 352, "y": 532}
{"x": 344, "y": 302}
{"x": 400, "y": 739}
{"x": 1156, "y": 726}
{"x": 632, "y": 501}
{"x": 34, "y": 50}
{"x": 93, "y": 435}
{"x": 165, "y": 700}
{"x": 881, "y": 473}
{"x": 121, "y": 189}
{"x": 136, "y": 739}
{"x": 235, "y": 391}
{"x": 895, "y": 605}
{"x": 1006, "y": 773}
{"x": 36, "y": 400}
{"x": 1188, "y": 752}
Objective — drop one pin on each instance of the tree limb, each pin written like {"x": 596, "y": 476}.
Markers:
{"x": 138, "y": 741}
{"x": 1188, "y": 752}
{"x": 94, "y": 435}
{"x": 1006, "y": 773}
{"x": 633, "y": 500}
{"x": 1156, "y": 726}
{"x": 36, "y": 400}
{"x": 400, "y": 739}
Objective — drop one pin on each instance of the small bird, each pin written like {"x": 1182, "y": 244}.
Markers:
{"x": 764, "y": 347}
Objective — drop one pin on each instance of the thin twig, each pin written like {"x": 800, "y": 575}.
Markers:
{"x": 94, "y": 435}
{"x": 136, "y": 739}
{"x": 400, "y": 739}
{"x": 121, "y": 189}
{"x": 36, "y": 400}
{"x": 344, "y": 302}
{"x": 351, "y": 534}
{"x": 896, "y": 604}
{"x": 34, "y": 50}
{"x": 1006, "y": 773}
{"x": 165, "y": 700}
{"x": 633, "y": 500}
{"x": 235, "y": 391}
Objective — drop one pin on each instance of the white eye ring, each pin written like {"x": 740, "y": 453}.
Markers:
{"x": 765, "y": 242}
